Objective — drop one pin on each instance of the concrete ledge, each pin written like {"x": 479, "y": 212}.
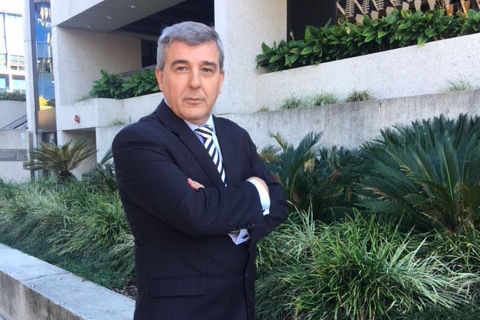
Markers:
{"x": 31, "y": 289}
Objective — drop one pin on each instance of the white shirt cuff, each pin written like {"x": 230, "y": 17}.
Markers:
{"x": 263, "y": 194}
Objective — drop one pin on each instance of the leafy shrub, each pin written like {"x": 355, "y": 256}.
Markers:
{"x": 108, "y": 86}
{"x": 102, "y": 177}
{"x": 115, "y": 87}
{"x": 327, "y": 188}
{"x": 317, "y": 178}
{"x": 59, "y": 160}
{"x": 293, "y": 103}
{"x": 140, "y": 84}
{"x": 14, "y": 96}
{"x": 323, "y": 99}
{"x": 287, "y": 162}
{"x": 426, "y": 174}
{"x": 71, "y": 225}
{"x": 460, "y": 85}
{"x": 357, "y": 96}
{"x": 398, "y": 29}
{"x": 357, "y": 269}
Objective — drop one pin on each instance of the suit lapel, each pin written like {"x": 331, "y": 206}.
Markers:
{"x": 229, "y": 149}
{"x": 178, "y": 127}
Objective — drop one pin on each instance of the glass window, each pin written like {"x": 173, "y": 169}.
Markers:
{"x": 16, "y": 63}
{"x": 44, "y": 65}
{"x": 18, "y": 84}
{"x": 14, "y": 27}
{"x": 3, "y": 84}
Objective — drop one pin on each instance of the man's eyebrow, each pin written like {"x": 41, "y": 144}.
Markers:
{"x": 210, "y": 63}
{"x": 204, "y": 63}
{"x": 179, "y": 61}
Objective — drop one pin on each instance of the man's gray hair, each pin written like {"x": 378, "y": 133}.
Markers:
{"x": 191, "y": 33}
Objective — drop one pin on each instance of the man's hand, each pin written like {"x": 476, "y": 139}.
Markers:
{"x": 194, "y": 184}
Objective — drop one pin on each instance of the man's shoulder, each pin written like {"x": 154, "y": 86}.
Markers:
{"x": 145, "y": 128}
{"x": 227, "y": 123}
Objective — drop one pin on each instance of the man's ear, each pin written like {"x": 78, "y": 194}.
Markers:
{"x": 222, "y": 78}
{"x": 159, "y": 76}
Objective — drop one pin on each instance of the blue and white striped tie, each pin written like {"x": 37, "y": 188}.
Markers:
{"x": 206, "y": 133}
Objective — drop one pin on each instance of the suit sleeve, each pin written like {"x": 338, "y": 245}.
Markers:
{"x": 152, "y": 178}
{"x": 278, "y": 205}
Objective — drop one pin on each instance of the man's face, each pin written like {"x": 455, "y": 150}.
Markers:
{"x": 191, "y": 80}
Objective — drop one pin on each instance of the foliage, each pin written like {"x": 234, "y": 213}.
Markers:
{"x": 71, "y": 225}
{"x": 141, "y": 83}
{"x": 329, "y": 260}
{"x": 460, "y": 85}
{"x": 102, "y": 177}
{"x": 357, "y": 269}
{"x": 293, "y": 103}
{"x": 426, "y": 174}
{"x": 59, "y": 160}
{"x": 320, "y": 99}
{"x": 323, "y": 99}
{"x": 44, "y": 102}
{"x": 328, "y": 187}
{"x": 321, "y": 178}
{"x": 108, "y": 86}
{"x": 398, "y": 29}
{"x": 357, "y": 96}
{"x": 14, "y": 96}
{"x": 115, "y": 87}
{"x": 287, "y": 162}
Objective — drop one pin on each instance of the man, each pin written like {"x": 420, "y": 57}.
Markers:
{"x": 195, "y": 220}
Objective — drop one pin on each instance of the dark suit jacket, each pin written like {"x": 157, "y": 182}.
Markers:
{"x": 186, "y": 265}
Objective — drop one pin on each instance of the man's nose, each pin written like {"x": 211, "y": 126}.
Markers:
{"x": 195, "y": 78}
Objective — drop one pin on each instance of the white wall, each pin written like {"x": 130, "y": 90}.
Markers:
{"x": 79, "y": 56}
{"x": 14, "y": 139}
{"x": 410, "y": 71}
{"x": 351, "y": 124}
{"x": 243, "y": 25}
{"x": 11, "y": 111}
{"x": 13, "y": 6}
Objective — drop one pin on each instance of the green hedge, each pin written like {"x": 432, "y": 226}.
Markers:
{"x": 398, "y": 29}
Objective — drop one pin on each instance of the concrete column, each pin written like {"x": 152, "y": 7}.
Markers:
{"x": 243, "y": 25}
{"x": 30, "y": 72}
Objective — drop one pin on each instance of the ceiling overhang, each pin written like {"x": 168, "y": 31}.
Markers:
{"x": 143, "y": 16}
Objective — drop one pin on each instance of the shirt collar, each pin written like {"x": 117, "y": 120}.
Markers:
{"x": 193, "y": 126}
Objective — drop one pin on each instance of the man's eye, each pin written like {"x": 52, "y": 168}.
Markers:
{"x": 181, "y": 69}
{"x": 207, "y": 70}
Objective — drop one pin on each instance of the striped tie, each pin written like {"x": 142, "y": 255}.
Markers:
{"x": 207, "y": 134}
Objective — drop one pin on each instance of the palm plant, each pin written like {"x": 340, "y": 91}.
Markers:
{"x": 328, "y": 187}
{"x": 427, "y": 174}
{"x": 287, "y": 162}
{"x": 59, "y": 160}
{"x": 102, "y": 177}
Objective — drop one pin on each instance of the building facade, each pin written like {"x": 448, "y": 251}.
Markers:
{"x": 119, "y": 36}
{"x": 12, "y": 57}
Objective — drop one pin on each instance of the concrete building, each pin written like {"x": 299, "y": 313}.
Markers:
{"x": 119, "y": 36}
{"x": 12, "y": 67}
{"x": 14, "y": 142}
